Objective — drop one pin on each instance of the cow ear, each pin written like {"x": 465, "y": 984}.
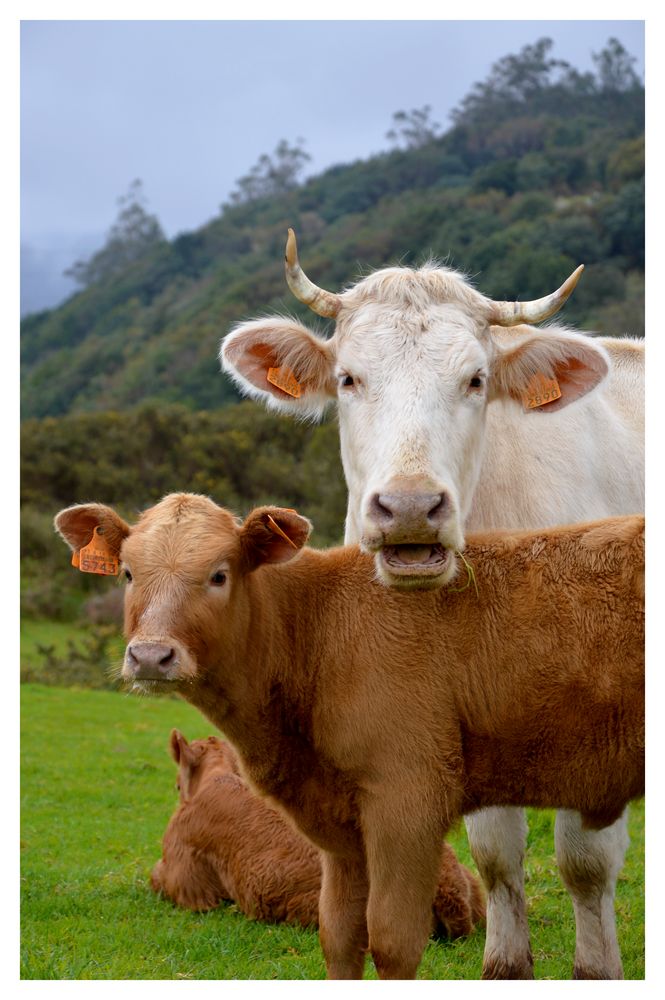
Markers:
{"x": 77, "y": 525}
{"x": 281, "y": 363}
{"x": 177, "y": 743}
{"x": 576, "y": 362}
{"x": 186, "y": 755}
{"x": 272, "y": 535}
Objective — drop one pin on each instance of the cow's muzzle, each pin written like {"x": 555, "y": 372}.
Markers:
{"x": 154, "y": 661}
{"x": 413, "y": 534}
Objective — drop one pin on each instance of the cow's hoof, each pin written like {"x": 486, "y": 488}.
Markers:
{"x": 585, "y": 972}
{"x": 497, "y": 967}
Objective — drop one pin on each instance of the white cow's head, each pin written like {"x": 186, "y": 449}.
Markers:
{"x": 415, "y": 358}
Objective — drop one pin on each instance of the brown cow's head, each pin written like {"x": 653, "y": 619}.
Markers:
{"x": 186, "y": 564}
{"x": 198, "y": 760}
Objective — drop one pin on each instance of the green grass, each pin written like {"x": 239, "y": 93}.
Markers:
{"x": 70, "y": 654}
{"x": 97, "y": 792}
{"x": 36, "y": 632}
{"x": 41, "y": 632}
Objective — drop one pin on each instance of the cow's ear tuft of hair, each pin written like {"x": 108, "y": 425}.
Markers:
{"x": 77, "y": 525}
{"x": 272, "y": 535}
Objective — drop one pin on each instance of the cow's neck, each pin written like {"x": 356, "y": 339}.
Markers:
{"x": 266, "y": 672}
{"x": 264, "y": 694}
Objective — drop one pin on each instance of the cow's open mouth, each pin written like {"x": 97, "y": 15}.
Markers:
{"x": 415, "y": 560}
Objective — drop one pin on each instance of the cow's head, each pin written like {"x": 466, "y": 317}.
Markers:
{"x": 186, "y": 564}
{"x": 199, "y": 760}
{"x": 415, "y": 359}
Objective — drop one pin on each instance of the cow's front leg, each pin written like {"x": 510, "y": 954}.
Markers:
{"x": 403, "y": 849}
{"x": 589, "y": 862}
{"x": 497, "y": 838}
{"x": 342, "y": 915}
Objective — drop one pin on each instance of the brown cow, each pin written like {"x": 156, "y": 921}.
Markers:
{"x": 223, "y": 842}
{"x": 376, "y": 718}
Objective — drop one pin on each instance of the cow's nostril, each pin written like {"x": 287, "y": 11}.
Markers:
{"x": 435, "y": 514}
{"x": 168, "y": 658}
{"x": 380, "y": 509}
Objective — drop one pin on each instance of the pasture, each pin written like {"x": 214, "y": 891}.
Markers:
{"x": 97, "y": 791}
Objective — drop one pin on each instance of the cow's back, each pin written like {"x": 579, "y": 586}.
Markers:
{"x": 579, "y": 463}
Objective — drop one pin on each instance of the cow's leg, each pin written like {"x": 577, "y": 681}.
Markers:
{"x": 342, "y": 919}
{"x": 497, "y": 838}
{"x": 589, "y": 862}
{"x": 403, "y": 862}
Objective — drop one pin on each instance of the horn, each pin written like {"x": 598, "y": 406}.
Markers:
{"x": 318, "y": 299}
{"x": 511, "y": 313}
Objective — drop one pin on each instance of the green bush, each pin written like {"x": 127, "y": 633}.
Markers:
{"x": 92, "y": 660}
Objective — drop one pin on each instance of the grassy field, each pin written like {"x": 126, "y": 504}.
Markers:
{"x": 97, "y": 791}
{"x": 36, "y": 633}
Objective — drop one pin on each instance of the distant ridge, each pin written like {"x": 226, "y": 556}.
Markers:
{"x": 517, "y": 193}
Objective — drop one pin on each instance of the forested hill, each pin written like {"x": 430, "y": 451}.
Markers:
{"x": 542, "y": 169}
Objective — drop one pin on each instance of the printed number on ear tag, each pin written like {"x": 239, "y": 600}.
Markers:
{"x": 284, "y": 378}
{"x": 541, "y": 391}
{"x": 96, "y": 556}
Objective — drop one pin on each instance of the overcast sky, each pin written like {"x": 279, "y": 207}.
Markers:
{"x": 189, "y": 106}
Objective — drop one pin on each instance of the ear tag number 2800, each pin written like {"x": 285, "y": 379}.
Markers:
{"x": 284, "y": 378}
{"x": 541, "y": 391}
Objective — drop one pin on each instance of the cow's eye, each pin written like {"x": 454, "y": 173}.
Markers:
{"x": 128, "y": 576}
{"x": 476, "y": 382}
{"x": 346, "y": 381}
{"x": 218, "y": 579}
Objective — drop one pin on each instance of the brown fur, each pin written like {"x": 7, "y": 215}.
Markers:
{"x": 223, "y": 842}
{"x": 374, "y": 719}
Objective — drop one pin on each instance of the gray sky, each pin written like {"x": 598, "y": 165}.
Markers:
{"x": 189, "y": 106}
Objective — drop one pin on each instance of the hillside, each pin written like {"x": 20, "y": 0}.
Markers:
{"x": 542, "y": 170}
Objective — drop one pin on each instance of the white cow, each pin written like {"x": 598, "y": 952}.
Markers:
{"x": 441, "y": 430}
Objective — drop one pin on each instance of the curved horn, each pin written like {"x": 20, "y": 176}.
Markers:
{"x": 511, "y": 313}
{"x": 318, "y": 299}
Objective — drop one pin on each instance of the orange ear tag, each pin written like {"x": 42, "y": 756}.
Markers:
{"x": 97, "y": 557}
{"x": 285, "y": 379}
{"x": 274, "y": 527}
{"x": 541, "y": 391}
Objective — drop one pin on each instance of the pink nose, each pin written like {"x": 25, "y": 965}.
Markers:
{"x": 151, "y": 661}
{"x": 414, "y": 517}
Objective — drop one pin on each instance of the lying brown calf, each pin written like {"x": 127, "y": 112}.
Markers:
{"x": 223, "y": 842}
{"x": 375, "y": 718}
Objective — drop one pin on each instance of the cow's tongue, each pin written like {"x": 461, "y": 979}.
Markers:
{"x": 414, "y": 555}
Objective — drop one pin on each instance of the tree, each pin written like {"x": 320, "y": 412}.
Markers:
{"x": 133, "y": 234}
{"x": 614, "y": 68}
{"x": 513, "y": 80}
{"x": 272, "y": 175}
{"x": 413, "y": 128}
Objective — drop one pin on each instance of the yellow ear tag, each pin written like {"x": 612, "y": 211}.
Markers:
{"x": 274, "y": 527}
{"x": 285, "y": 379}
{"x": 97, "y": 557}
{"x": 541, "y": 391}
